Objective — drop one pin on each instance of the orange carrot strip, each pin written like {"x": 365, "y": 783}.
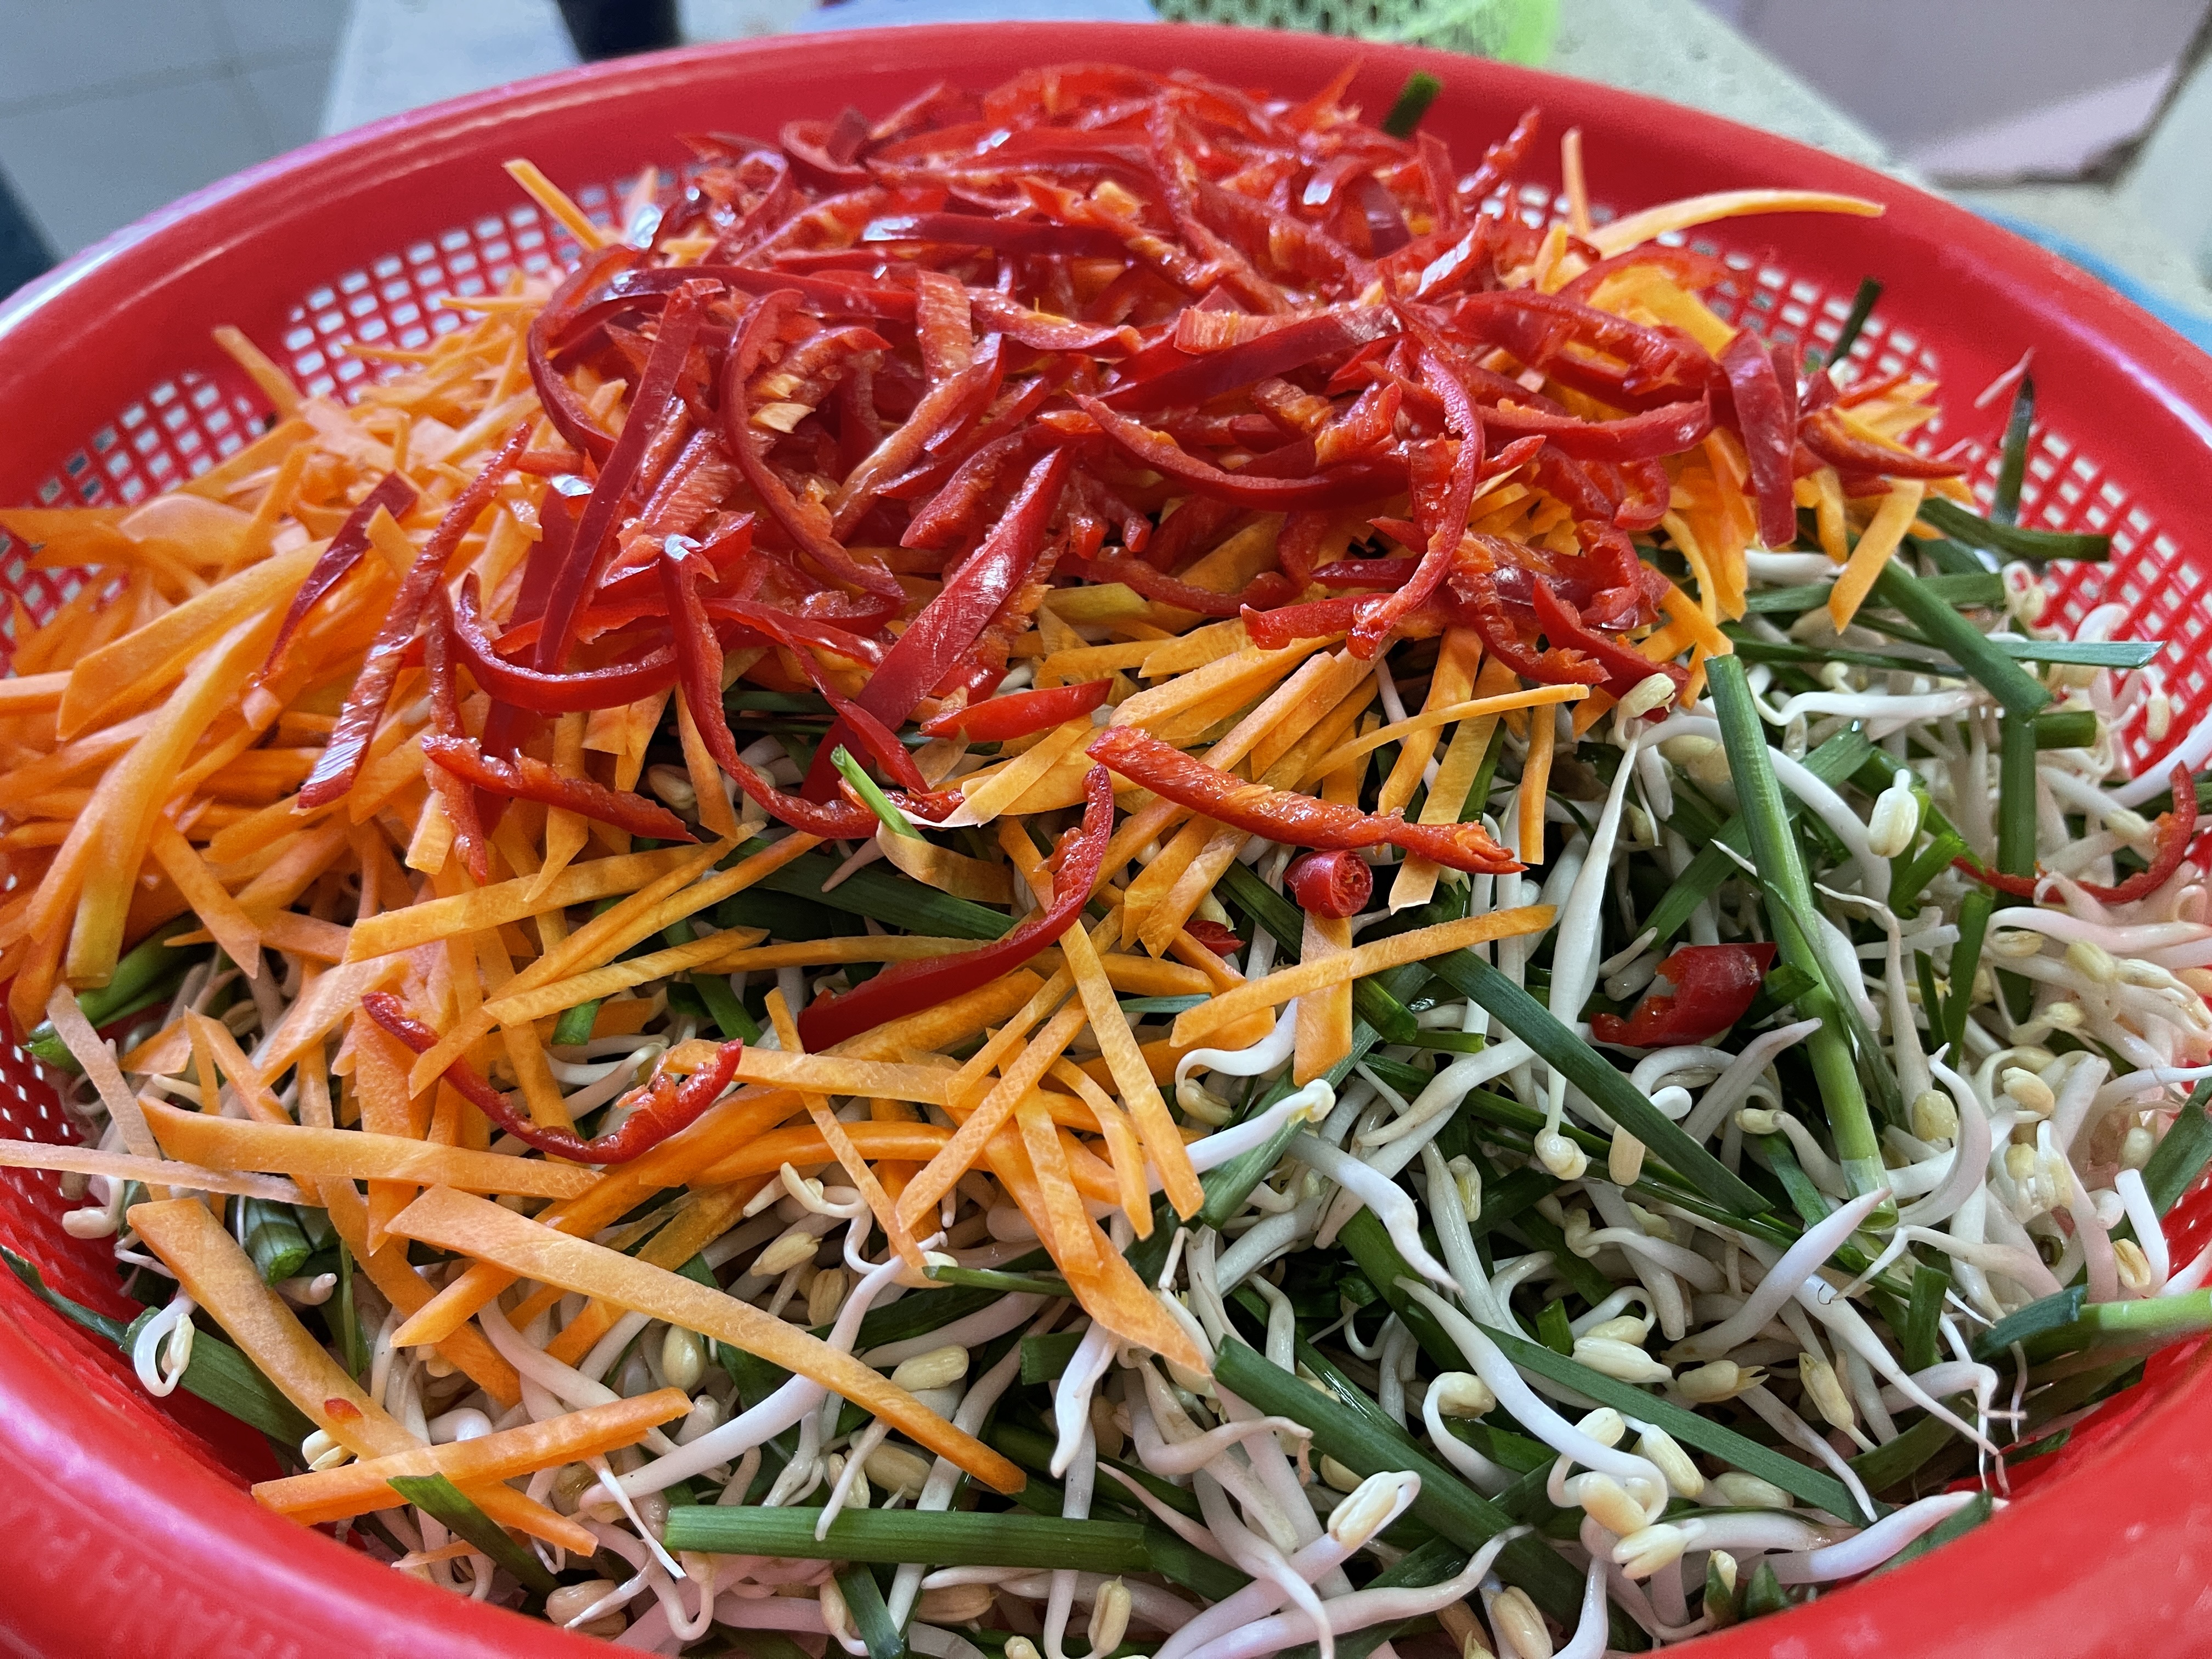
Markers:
{"x": 476, "y": 1226}
{"x": 220, "y": 1277}
{"x": 352, "y": 1488}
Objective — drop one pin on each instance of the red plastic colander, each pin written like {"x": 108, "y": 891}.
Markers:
{"x": 127, "y": 1526}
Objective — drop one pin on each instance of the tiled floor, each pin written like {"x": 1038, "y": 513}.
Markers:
{"x": 112, "y": 108}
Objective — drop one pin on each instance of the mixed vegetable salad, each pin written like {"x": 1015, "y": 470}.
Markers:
{"x": 1092, "y": 870}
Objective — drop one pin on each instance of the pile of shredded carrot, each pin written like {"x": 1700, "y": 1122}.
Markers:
{"x": 1125, "y": 475}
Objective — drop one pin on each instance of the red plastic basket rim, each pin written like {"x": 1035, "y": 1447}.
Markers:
{"x": 138, "y": 1542}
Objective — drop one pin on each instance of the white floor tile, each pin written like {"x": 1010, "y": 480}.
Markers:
{"x": 91, "y": 166}
{"x": 290, "y": 96}
{"x": 56, "y": 47}
{"x": 401, "y": 54}
{"x": 282, "y": 28}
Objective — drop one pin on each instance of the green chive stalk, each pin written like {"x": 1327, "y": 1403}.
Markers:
{"x": 876, "y": 801}
{"x": 1854, "y": 320}
{"x": 1789, "y": 909}
{"x": 1414, "y": 98}
{"x": 2012, "y": 464}
{"x": 2016, "y": 830}
{"x": 149, "y": 972}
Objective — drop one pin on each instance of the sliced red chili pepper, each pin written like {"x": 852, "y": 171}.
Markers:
{"x": 2175, "y": 830}
{"x": 822, "y": 152}
{"x": 340, "y": 760}
{"x": 1361, "y": 429}
{"x": 1285, "y": 816}
{"x": 1474, "y": 587}
{"x": 1369, "y": 572}
{"x": 395, "y": 495}
{"x": 797, "y": 630}
{"x": 1689, "y": 270}
{"x": 1019, "y": 714}
{"x": 549, "y": 694}
{"x": 1643, "y": 368}
{"x": 1444, "y": 479}
{"x": 943, "y": 412}
{"x": 699, "y": 668}
{"x": 1769, "y": 436}
{"x": 1303, "y": 535}
{"x": 660, "y": 1110}
{"x": 1012, "y": 236}
{"x": 1265, "y": 590}
{"x": 906, "y": 987}
{"x": 1292, "y": 345}
{"x": 525, "y": 778}
{"x": 1645, "y": 499}
{"x": 1215, "y": 936}
{"x": 1343, "y": 486}
{"x": 1667, "y": 430}
{"x": 797, "y": 634}
{"x": 952, "y": 511}
{"x": 1866, "y": 391}
{"x": 1826, "y": 435}
{"x": 825, "y": 296}
{"x": 1714, "y": 985}
{"x": 944, "y": 328}
{"x": 945, "y": 632}
{"x": 1624, "y": 669}
{"x": 1046, "y": 332}
{"x": 460, "y": 800}
{"x": 594, "y": 542}
{"x": 1271, "y": 630}
{"x": 807, "y": 526}
{"x": 1503, "y": 159}
{"x": 563, "y": 406}
{"x": 1336, "y": 885}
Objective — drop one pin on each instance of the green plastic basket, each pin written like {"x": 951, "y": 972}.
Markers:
{"x": 1516, "y": 31}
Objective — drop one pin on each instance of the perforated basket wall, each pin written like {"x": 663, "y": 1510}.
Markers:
{"x": 110, "y": 393}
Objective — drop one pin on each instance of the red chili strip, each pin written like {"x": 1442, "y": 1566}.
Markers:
{"x": 944, "y": 410}
{"x": 1336, "y": 885}
{"x": 1292, "y": 345}
{"x": 1714, "y": 985}
{"x": 1689, "y": 270}
{"x": 552, "y": 694}
{"x": 1624, "y": 669}
{"x": 1476, "y": 588}
{"x": 906, "y": 987}
{"x": 395, "y": 495}
{"x": 341, "y": 759}
{"x": 1826, "y": 435}
{"x": 945, "y": 632}
{"x": 1369, "y": 572}
{"x": 661, "y": 1108}
{"x": 1285, "y": 816}
{"x": 809, "y": 529}
{"x": 1215, "y": 936}
{"x": 1013, "y": 236}
{"x": 563, "y": 406}
{"x": 2175, "y": 830}
{"x": 1020, "y": 713}
{"x": 1344, "y": 486}
{"x": 1667, "y": 430}
{"x": 1769, "y": 436}
{"x": 1266, "y": 589}
{"x": 595, "y": 541}
{"x": 460, "y": 800}
{"x": 825, "y": 296}
{"x": 1271, "y": 630}
{"x": 525, "y": 778}
{"x": 699, "y": 678}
